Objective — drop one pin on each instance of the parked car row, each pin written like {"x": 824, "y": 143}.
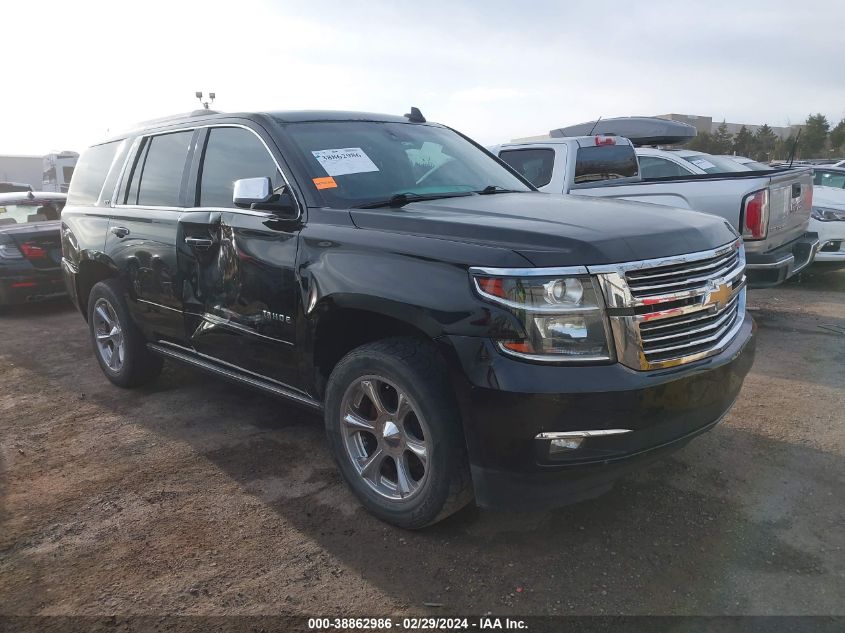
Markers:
{"x": 770, "y": 210}
{"x": 30, "y": 247}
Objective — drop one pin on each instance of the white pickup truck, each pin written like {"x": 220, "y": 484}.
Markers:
{"x": 771, "y": 210}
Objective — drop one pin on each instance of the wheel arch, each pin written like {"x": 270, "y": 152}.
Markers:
{"x": 339, "y": 325}
{"x": 91, "y": 272}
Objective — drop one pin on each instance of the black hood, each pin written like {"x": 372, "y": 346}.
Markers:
{"x": 557, "y": 230}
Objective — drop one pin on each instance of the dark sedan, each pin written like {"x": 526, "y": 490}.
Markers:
{"x": 30, "y": 247}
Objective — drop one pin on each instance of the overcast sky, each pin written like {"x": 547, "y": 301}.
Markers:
{"x": 494, "y": 69}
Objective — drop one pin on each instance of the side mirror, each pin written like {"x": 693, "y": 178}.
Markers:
{"x": 249, "y": 191}
{"x": 257, "y": 194}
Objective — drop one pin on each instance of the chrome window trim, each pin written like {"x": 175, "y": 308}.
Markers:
{"x": 193, "y": 128}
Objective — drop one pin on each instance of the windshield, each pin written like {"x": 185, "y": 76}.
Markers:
{"x": 29, "y": 212}
{"x": 715, "y": 164}
{"x": 353, "y": 163}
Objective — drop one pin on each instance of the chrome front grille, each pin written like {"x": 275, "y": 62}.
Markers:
{"x": 690, "y": 333}
{"x": 663, "y": 280}
{"x": 675, "y": 310}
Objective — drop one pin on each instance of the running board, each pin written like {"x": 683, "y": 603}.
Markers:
{"x": 234, "y": 375}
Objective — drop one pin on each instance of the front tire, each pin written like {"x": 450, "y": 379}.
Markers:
{"x": 119, "y": 346}
{"x": 395, "y": 431}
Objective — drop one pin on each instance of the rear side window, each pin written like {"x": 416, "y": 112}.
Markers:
{"x": 156, "y": 178}
{"x": 829, "y": 179}
{"x": 653, "y": 167}
{"x": 90, "y": 173}
{"x": 605, "y": 162}
{"x": 232, "y": 153}
{"x": 534, "y": 164}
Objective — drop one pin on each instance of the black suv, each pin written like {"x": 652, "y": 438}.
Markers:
{"x": 463, "y": 334}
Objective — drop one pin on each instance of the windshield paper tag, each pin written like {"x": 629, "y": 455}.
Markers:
{"x": 704, "y": 164}
{"x": 340, "y": 162}
{"x": 325, "y": 183}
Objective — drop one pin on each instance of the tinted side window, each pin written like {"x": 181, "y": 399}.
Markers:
{"x": 157, "y": 175}
{"x": 653, "y": 167}
{"x": 90, "y": 173}
{"x": 232, "y": 153}
{"x": 829, "y": 179}
{"x": 605, "y": 162}
{"x": 535, "y": 164}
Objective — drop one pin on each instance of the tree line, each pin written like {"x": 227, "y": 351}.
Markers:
{"x": 817, "y": 140}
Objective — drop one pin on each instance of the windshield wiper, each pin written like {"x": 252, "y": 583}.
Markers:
{"x": 401, "y": 199}
{"x": 494, "y": 189}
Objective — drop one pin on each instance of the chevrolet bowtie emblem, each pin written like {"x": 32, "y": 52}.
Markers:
{"x": 718, "y": 294}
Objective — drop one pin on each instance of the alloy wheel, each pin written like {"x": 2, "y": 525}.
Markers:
{"x": 109, "y": 335}
{"x": 386, "y": 437}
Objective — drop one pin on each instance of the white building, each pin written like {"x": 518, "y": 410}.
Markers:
{"x": 42, "y": 173}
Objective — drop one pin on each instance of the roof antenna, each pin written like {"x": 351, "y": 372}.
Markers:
{"x": 794, "y": 147}
{"x": 593, "y": 129}
{"x": 415, "y": 116}
{"x": 205, "y": 104}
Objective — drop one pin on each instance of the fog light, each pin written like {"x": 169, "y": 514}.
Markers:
{"x": 564, "y": 445}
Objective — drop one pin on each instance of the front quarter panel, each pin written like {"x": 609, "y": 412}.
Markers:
{"x": 420, "y": 281}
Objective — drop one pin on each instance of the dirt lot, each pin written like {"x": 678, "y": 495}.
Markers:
{"x": 193, "y": 496}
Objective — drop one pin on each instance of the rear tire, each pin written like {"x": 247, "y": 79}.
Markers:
{"x": 119, "y": 346}
{"x": 395, "y": 432}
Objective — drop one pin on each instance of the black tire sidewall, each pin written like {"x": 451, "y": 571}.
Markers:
{"x": 435, "y": 403}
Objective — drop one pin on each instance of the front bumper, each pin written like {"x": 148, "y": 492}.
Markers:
{"x": 832, "y": 240}
{"x": 774, "y": 267}
{"x": 506, "y": 403}
{"x": 25, "y": 284}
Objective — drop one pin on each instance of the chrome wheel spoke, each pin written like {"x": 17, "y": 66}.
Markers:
{"x": 418, "y": 449}
{"x": 404, "y": 482}
{"x": 370, "y": 389}
{"x": 355, "y": 422}
{"x": 403, "y": 407}
{"x": 104, "y": 315}
{"x": 371, "y": 467}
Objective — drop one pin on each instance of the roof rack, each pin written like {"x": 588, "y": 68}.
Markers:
{"x": 177, "y": 117}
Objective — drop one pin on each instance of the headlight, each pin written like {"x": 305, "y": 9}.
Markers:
{"x": 563, "y": 316}
{"x": 826, "y": 214}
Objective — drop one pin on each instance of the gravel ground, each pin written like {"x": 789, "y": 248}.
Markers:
{"x": 193, "y": 496}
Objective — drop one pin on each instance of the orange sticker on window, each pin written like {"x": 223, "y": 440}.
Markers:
{"x": 325, "y": 183}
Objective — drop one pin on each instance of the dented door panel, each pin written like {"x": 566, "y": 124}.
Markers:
{"x": 240, "y": 291}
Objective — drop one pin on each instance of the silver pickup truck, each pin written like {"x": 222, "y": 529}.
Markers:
{"x": 771, "y": 210}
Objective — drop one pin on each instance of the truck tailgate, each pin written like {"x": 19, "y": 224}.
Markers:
{"x": 790, "y": 203}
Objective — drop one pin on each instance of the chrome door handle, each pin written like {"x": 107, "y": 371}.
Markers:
{"x": 119, "y": 231}
{"x": 199, "y": 243}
